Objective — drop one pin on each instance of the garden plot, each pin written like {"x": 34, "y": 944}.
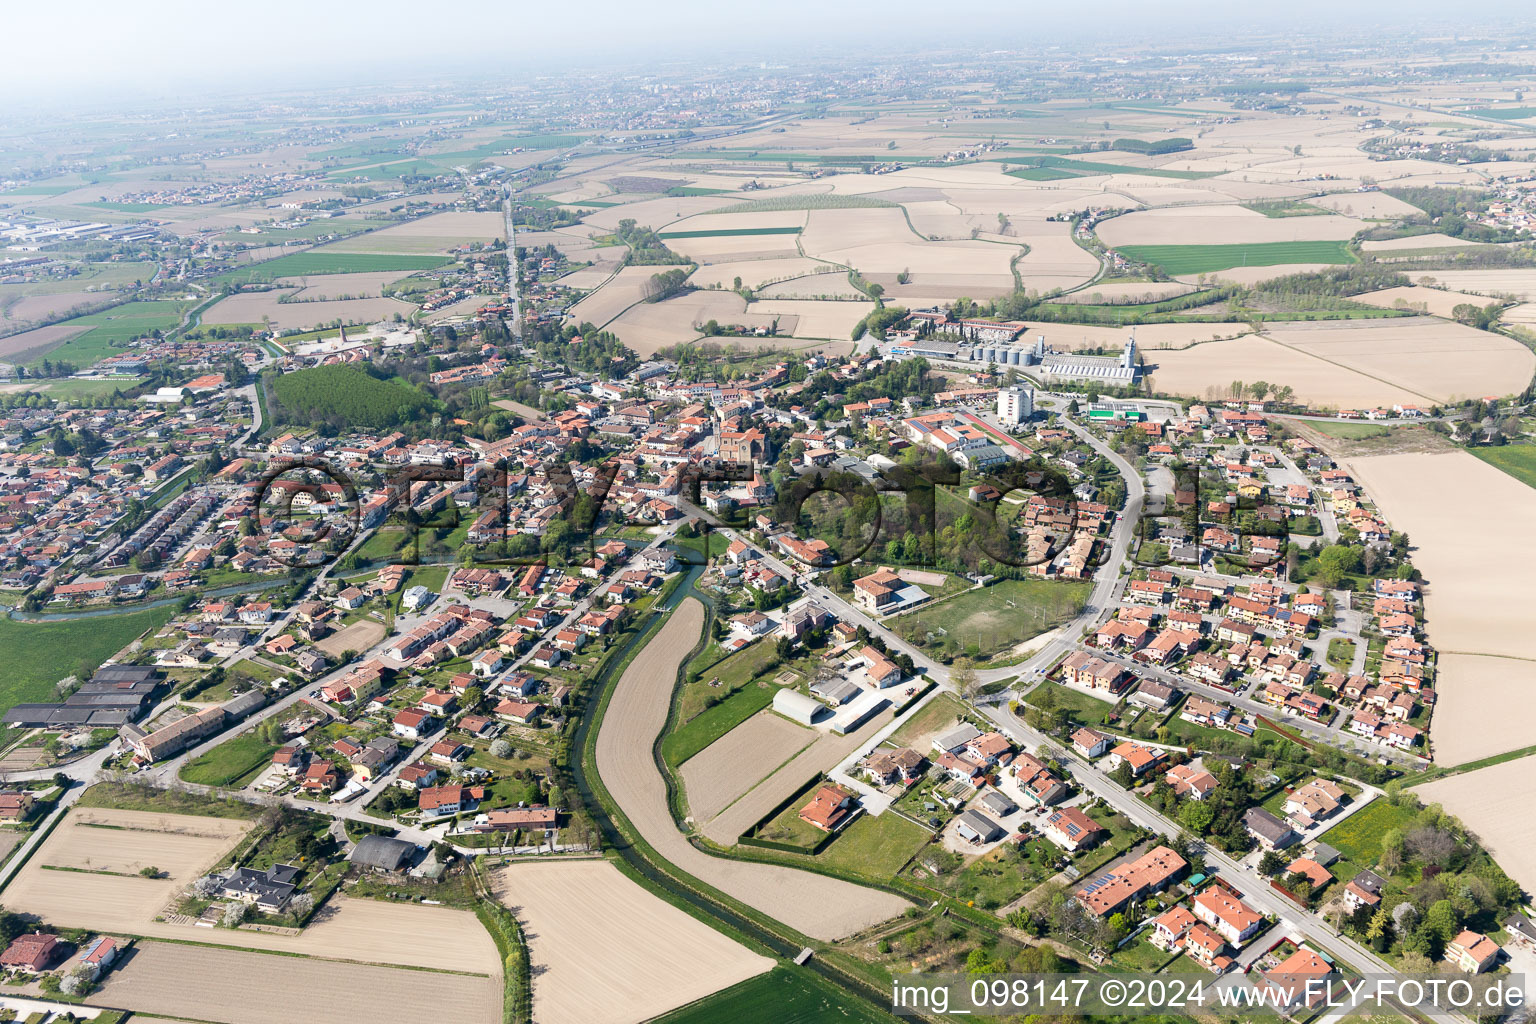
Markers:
{"x": 240, "y": 987}
{"x": 1476, "y": 560}
{"x": 1432, "y": 358}
{"x": 721, "y": 772}
{"x": 603, "y": 950}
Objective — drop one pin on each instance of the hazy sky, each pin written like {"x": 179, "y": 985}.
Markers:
{"x": 107, "y": 51}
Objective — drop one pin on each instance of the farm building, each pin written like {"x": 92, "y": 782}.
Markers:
{"x": 796, "y": 706}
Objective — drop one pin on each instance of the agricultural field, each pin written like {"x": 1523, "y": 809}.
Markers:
{"x": 40, "y": 654}
{"x": 784, "y": 995}
{"x": 1412, "y": 243}
{"x": 104, "y": 334}
{"x": 1206, "y": 371}
{"x": 1444, "y": 362}
{"x": 436, "y": 233}
{"x": 1202, "y": 259}
{"x": 603, "y": 950}
{"x": 727, "y": 768}
{"x": 994, "y": 620}
{"x": 1475, "y": 560}
{"x": 1514, "y": 282}
{"x": 815, "y": 905}
{"x": 808, "y": 318}
{"x": 37, "y": 343}
{"x": 626, "y": 288}
{"x": 184, "y": 846}
{"x": 266, "y": 307}
{"x": 1495, "y": 803}
{"x": 1426, "y": 300}
{"x": 262, "y": 988}
{"x": 1222, "y": 227}
{"x": 1518, "y": 460}
{"x": 327, "y": 261}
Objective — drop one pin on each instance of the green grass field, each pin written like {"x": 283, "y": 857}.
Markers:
{"x": 127, "y": 207}
{"x": 69, "y": 390}
{"x": 1505, "y": 113}
{"x": 730, "y": 232}
{"x": 1358, "y": 837}
{"x": 39, "y": 654}
{"x": 1041, "y": 173}
{"x": 1348, "y": 431}
{"x": 1082, "y": 168}
{"x": 300, "y": 264}
{"x": 785, "y": 995}
{"x": 996, "y": 618}
{"x": 1518, "y": 460}
{"x": 875, "y": 846}
{"x": 109, "y": 332}
{"x": 1202, "y": 259}
{"x": 712, "y": 723}
{"x": 229, "y": 762}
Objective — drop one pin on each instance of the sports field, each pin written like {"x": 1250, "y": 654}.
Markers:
{"x": 39, "y": 654}
{"x": 996, "y": 618}
{"x": 785, "y": 995}
{"x": 300, "y": 264}
{"x": 1202, "y": 259}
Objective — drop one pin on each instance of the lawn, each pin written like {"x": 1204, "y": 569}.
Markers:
{"x": 109, "y": 332}
{"x": 992, "y": 881}
{"x": 987, "y": 622}
{"x": 789, "y": 828}
{"x": 1358, "y": 837}
{"x": 877, "y": 846}
{"x": 713, "y": 723}
{"x": 230, "y": 762}
{"x": 39, "y": 654}
{"x": 1202, "y": 259}
{"x": 1341, "y": 653}
{"x": 785, "y": 995}
{"x": 301, "y": 264}
{"x": 1518, "y": 460}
